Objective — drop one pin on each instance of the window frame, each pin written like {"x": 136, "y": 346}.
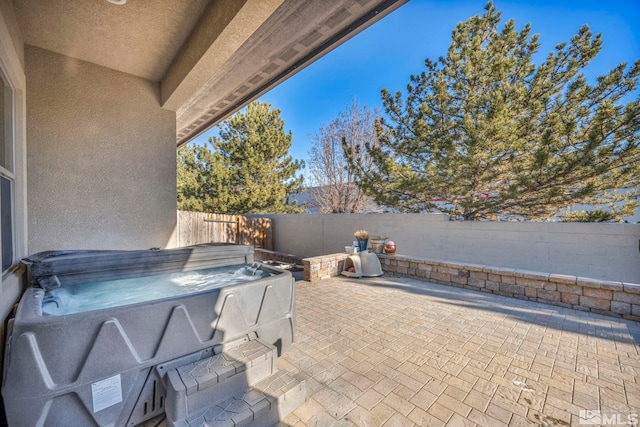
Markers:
{"x": 10, "y": 161}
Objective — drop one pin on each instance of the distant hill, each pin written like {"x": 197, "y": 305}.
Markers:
{"x": 305, "y": 198}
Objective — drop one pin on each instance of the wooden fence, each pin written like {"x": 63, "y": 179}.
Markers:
{"x": 198, "y": 227}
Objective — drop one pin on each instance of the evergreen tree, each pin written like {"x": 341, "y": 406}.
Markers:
{"x": 492, "y": 133}
{"x": 248, "y": 169}
{"x": 202, "y": 180}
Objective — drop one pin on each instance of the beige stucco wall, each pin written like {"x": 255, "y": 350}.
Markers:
{"x": 101, "y": 157}
{"x": 10, "y": 23}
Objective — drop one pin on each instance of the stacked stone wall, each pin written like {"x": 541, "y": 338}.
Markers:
{"x": 618, "y": 299}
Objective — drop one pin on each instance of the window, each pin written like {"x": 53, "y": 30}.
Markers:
{"x": 7, "y": 177}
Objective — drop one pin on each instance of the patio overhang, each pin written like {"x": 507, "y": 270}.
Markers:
{"x": 209, "y": 57}
{"x": 295, "y": 35}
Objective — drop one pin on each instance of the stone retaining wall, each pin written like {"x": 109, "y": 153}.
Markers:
{"x": 323, "y": 267}
{"x": 266, "y": 255}
{"x": 610, "y": 298}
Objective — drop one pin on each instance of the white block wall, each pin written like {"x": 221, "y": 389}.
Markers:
{"x": 600, "y": 251}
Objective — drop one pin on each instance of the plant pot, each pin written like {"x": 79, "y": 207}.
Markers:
{"x": 377, "y": 245}
{"x": 362, "y": 245}
{"x": 389, "y": 247}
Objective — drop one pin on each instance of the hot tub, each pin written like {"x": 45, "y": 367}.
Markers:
{"x": 103, "y": 366}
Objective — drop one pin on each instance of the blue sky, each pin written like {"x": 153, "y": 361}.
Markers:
{"x": 387, "y": 53}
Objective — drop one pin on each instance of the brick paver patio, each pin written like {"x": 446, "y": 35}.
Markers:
{"x": 398, "y": 352}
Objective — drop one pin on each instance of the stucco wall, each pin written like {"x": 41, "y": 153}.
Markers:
{"x": 9, "y": 21}
{"x": 101, "y": 157}
{"x": 600, "y": 251}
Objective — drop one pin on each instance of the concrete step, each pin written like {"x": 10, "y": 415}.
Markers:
{"x": 262, "y": 405}
{"x": 198, "y": 385}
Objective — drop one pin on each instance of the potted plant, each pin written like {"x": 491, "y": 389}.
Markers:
{"x": 362, "y": 236}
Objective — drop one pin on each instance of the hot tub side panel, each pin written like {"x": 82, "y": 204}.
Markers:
{"x": 60, "y": 368}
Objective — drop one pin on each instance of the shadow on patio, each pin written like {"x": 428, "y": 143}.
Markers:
{"x": 531, "y": 312}
{"x": 383, "y": 352}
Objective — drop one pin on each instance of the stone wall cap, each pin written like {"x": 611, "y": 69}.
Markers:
{"x": 454, "y": 264}
{"x": 459, "y": 265}
{"x": 611, "y": 285}
{"x": 632, "y": 288}
{"x": 430, "y": 261}
{"x": 499, "y": 270}
{"x": 563, "y": 278}
{"x": 475, "y": 267}
{"x": 588, "y": 282}
{"x": 528, "y": 274}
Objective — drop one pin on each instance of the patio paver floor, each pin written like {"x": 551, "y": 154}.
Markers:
{"x": 396, "y": 352}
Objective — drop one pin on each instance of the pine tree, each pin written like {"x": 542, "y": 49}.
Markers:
{"x": 202, "y": 180}
{"x": 248, "y": 169}
{"x": 492, "y": 133}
